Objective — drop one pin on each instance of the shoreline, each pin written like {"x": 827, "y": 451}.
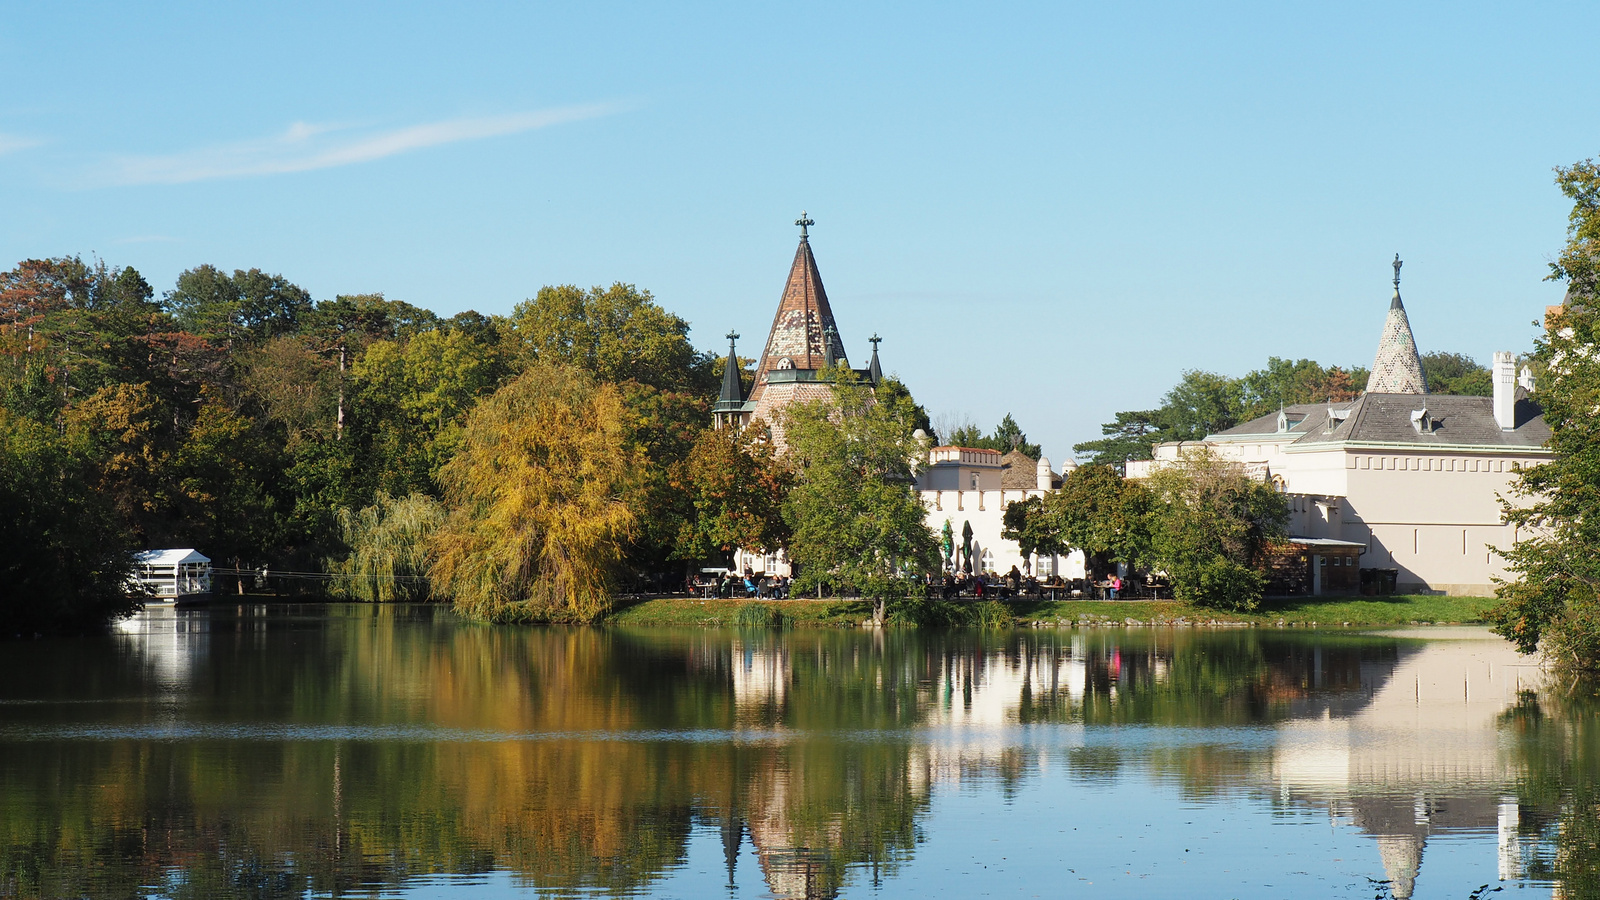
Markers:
{"x": 1322, "y": 612}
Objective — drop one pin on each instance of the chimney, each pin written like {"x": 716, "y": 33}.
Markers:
{"x": 1505, "y": 390}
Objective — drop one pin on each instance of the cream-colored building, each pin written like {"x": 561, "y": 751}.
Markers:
{"x": 1415, "y": 478}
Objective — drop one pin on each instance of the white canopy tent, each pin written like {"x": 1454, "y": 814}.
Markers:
{"x": 173, "y": 574}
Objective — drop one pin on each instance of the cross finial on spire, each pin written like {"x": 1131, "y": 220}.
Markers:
{"x": 875, "y": 341}
{"x": 1397, "y": 265}
{"x": 732, "y": 336}
{"x": 804, "y": 222}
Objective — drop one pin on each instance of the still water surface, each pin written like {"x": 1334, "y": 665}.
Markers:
{"x": 355, "y": 751}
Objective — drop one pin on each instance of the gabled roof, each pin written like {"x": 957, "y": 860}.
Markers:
{"x": 169, "y": 557}
{"x": 800, "y": 334}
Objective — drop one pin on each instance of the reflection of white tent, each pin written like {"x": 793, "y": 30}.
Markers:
{"x": 173, "y": 574}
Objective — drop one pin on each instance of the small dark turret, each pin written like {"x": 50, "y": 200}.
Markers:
{"x": 731, "y": 401}
{"x": 875, "y": 371}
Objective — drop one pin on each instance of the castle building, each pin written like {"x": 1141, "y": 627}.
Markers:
{"x": 803, "y": 342}
{"x": 1398, "y": 478}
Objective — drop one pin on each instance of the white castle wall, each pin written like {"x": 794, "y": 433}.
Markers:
{"x": 986, "y": 511}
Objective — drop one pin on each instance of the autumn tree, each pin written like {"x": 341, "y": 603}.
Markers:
{"x": 538, "y": 498}
{"x": 736, "y": 488}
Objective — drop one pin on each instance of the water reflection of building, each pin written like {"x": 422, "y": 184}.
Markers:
{"x": 1398, "y": 739}
{"x": 761, "y": 673}
{"x": 1421, "y": 757}
{"x": 169, "y": 641}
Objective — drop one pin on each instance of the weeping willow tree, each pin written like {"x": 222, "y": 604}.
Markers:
{"x": 388, "y": 541}
{"x": 538, "y": 501}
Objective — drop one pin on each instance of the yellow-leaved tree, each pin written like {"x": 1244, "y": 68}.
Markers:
{"x": 538, "y": 496}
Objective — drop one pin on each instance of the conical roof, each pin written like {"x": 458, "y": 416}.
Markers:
{"x": 1397, "y": 369}
{"x": 732, "y": 397}
{"x": 804, "y": 326}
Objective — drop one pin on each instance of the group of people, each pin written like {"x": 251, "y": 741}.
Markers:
{"x": 728, "y": 585}
{"x": 979, "y": 585}
{"x": 1013, "y": 584}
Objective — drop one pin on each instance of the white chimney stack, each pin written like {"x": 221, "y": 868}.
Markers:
{"x": 1505, "y": 390}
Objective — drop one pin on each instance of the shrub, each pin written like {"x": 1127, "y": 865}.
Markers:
{"x": 761, "y": 615}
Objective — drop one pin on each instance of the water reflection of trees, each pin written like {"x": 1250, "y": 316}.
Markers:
{"x": 1556, "y": 739}
{"x": 353, "y": 755}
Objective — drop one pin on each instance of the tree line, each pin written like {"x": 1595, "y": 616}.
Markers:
{"x": 1203, "y": 403}
{"x": 236, "y": 414}
{"x": 526, "y": 466}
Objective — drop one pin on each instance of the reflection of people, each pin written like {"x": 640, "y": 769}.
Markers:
{"x": 1116, "y": 585}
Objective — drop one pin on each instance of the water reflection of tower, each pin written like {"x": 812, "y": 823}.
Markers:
{"x": 1419, "y": 757}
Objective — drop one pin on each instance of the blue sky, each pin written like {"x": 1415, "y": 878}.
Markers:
{"x": 1051, "y": 210}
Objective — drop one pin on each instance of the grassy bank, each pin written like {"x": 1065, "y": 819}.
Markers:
{"x": 1332, "y": 612}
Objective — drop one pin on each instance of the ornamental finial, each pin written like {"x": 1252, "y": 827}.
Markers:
{"x": 732, "y": 336}
{"x": 804, "y": 223}
{"x": 1397, "y": 265}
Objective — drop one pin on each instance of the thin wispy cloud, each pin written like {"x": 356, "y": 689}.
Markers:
{"x": 10, "y": 142}
{"x": 304, "y": 147}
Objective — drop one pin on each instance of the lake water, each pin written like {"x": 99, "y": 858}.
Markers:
{"x": 361, "y": 751}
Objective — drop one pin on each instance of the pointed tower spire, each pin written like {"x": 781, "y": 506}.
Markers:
{"x": 1397, "y": 369}
{"x": 874, "y": 370}
{"x": 731, "y": 401}
{"x": 804, "y": 334}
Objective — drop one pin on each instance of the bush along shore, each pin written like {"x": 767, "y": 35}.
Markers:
{"x": 1326, "y": 612}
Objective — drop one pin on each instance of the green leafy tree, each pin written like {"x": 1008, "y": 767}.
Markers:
{"x": 1103, "y": 514}
{"x": 1285, "y": 383}
{"x": 616, "y": 334}
{"x": 65, "y": 558}
{"x": 857, "y": 522}
{"x": 229, "y": 488}
{"x": 414, "y": 399}
{"x": 1554, "y": 591}
{"x": 1130, "y": 436}
{"x": 538, "y": 499}
{"x": 1008, "y": 435}
{"x": 1025, "y": 522}
{"x": 246, "y": 307}
{"x": 1456, "y": 373}
{"x": 388, "y": 541}
{"x": 1210, "y": 527}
